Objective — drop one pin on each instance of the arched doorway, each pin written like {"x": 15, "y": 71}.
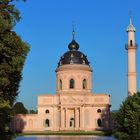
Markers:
{"x": 71, "y": 122}
{"x": 47, "y": 123}
{"x": 99, "y": 122}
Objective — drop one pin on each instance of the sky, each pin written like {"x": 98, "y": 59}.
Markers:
{"x": 100, "y": 27}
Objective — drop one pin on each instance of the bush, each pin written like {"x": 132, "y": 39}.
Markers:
{"x": 121, "y": 135}
{"x": 128, "y": 119}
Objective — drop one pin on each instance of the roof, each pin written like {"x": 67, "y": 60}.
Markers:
{"x": 73, "y": 56}
{"x": 130, "y": 27}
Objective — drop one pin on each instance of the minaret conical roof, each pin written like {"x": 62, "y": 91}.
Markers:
{"x": 130, "y": 27}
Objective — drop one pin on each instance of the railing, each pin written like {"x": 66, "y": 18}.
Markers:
{"x": 131, "y": 46}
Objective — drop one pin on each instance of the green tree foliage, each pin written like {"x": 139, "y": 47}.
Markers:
{"x": 112, "y": 120}
{"x": 32, "y": 111}
{"x": 5, "y": 116}
{"x": 128, "y": 118}
{"x": 13, "y": 52}
{"x": 19, "y": 108}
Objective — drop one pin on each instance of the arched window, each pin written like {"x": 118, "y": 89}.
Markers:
{"x": 99, "y": 111}
{"x": 60, "y": 84}
{"x": 71, "y": 83}
{"x": 99, "y": 122}
{"x": 47, "y": 111}
{"x": 84, "y": 84}
{"x": 47, "y": 123}
{"x": 131, "y": 43}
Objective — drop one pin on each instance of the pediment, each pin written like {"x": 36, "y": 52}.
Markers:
{"x": 71, "y": 100}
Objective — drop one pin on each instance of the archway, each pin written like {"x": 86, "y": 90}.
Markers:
{"x": 99, "y": 122}
{"x": 71, "y": 122}
{"x": 47, "y": 123}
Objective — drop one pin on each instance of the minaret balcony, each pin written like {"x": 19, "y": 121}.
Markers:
{"x": 128, "y": 46}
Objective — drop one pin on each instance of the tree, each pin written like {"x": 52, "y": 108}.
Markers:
{"x": 112, "y": 120}
{"x": 32, "y": 111}
{"x": 13, "y": 52}
{"x": 19, "y": 108}
{"x": 5, "y": 116}
{"x": 128, "y": 118}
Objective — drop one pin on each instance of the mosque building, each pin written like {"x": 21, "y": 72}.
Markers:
{"x": 74, "y": 106}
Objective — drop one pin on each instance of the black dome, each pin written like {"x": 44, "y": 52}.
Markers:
{"x": 73, "y": 56}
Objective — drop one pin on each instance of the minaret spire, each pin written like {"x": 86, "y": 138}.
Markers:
{"x": 131, "y": 20}
{"x": 130, "y": 27}
{"x": 130, "y": 14}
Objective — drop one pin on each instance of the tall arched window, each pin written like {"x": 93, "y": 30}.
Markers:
{"x": 84, "y": 84}
{"x": 47, "y": 123}
{"x": 60, "y": 84}
{"x": 131, "y": 43}
{"x": 47, "y": 111}
{"x": 99, "y": 122}
{"x": 71, "y": 83}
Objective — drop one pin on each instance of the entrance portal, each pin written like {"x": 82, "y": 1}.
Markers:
{"x": 72, "y": 123}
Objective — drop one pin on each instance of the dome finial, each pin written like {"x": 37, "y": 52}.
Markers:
{"x": 73, "y": 32}
{"x": 73, "y": 46}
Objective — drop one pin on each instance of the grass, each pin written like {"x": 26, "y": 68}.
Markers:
{"x": 66, "y": 133}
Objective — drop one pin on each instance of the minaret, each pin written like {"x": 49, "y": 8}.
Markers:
{"x": 131, "y": 52}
